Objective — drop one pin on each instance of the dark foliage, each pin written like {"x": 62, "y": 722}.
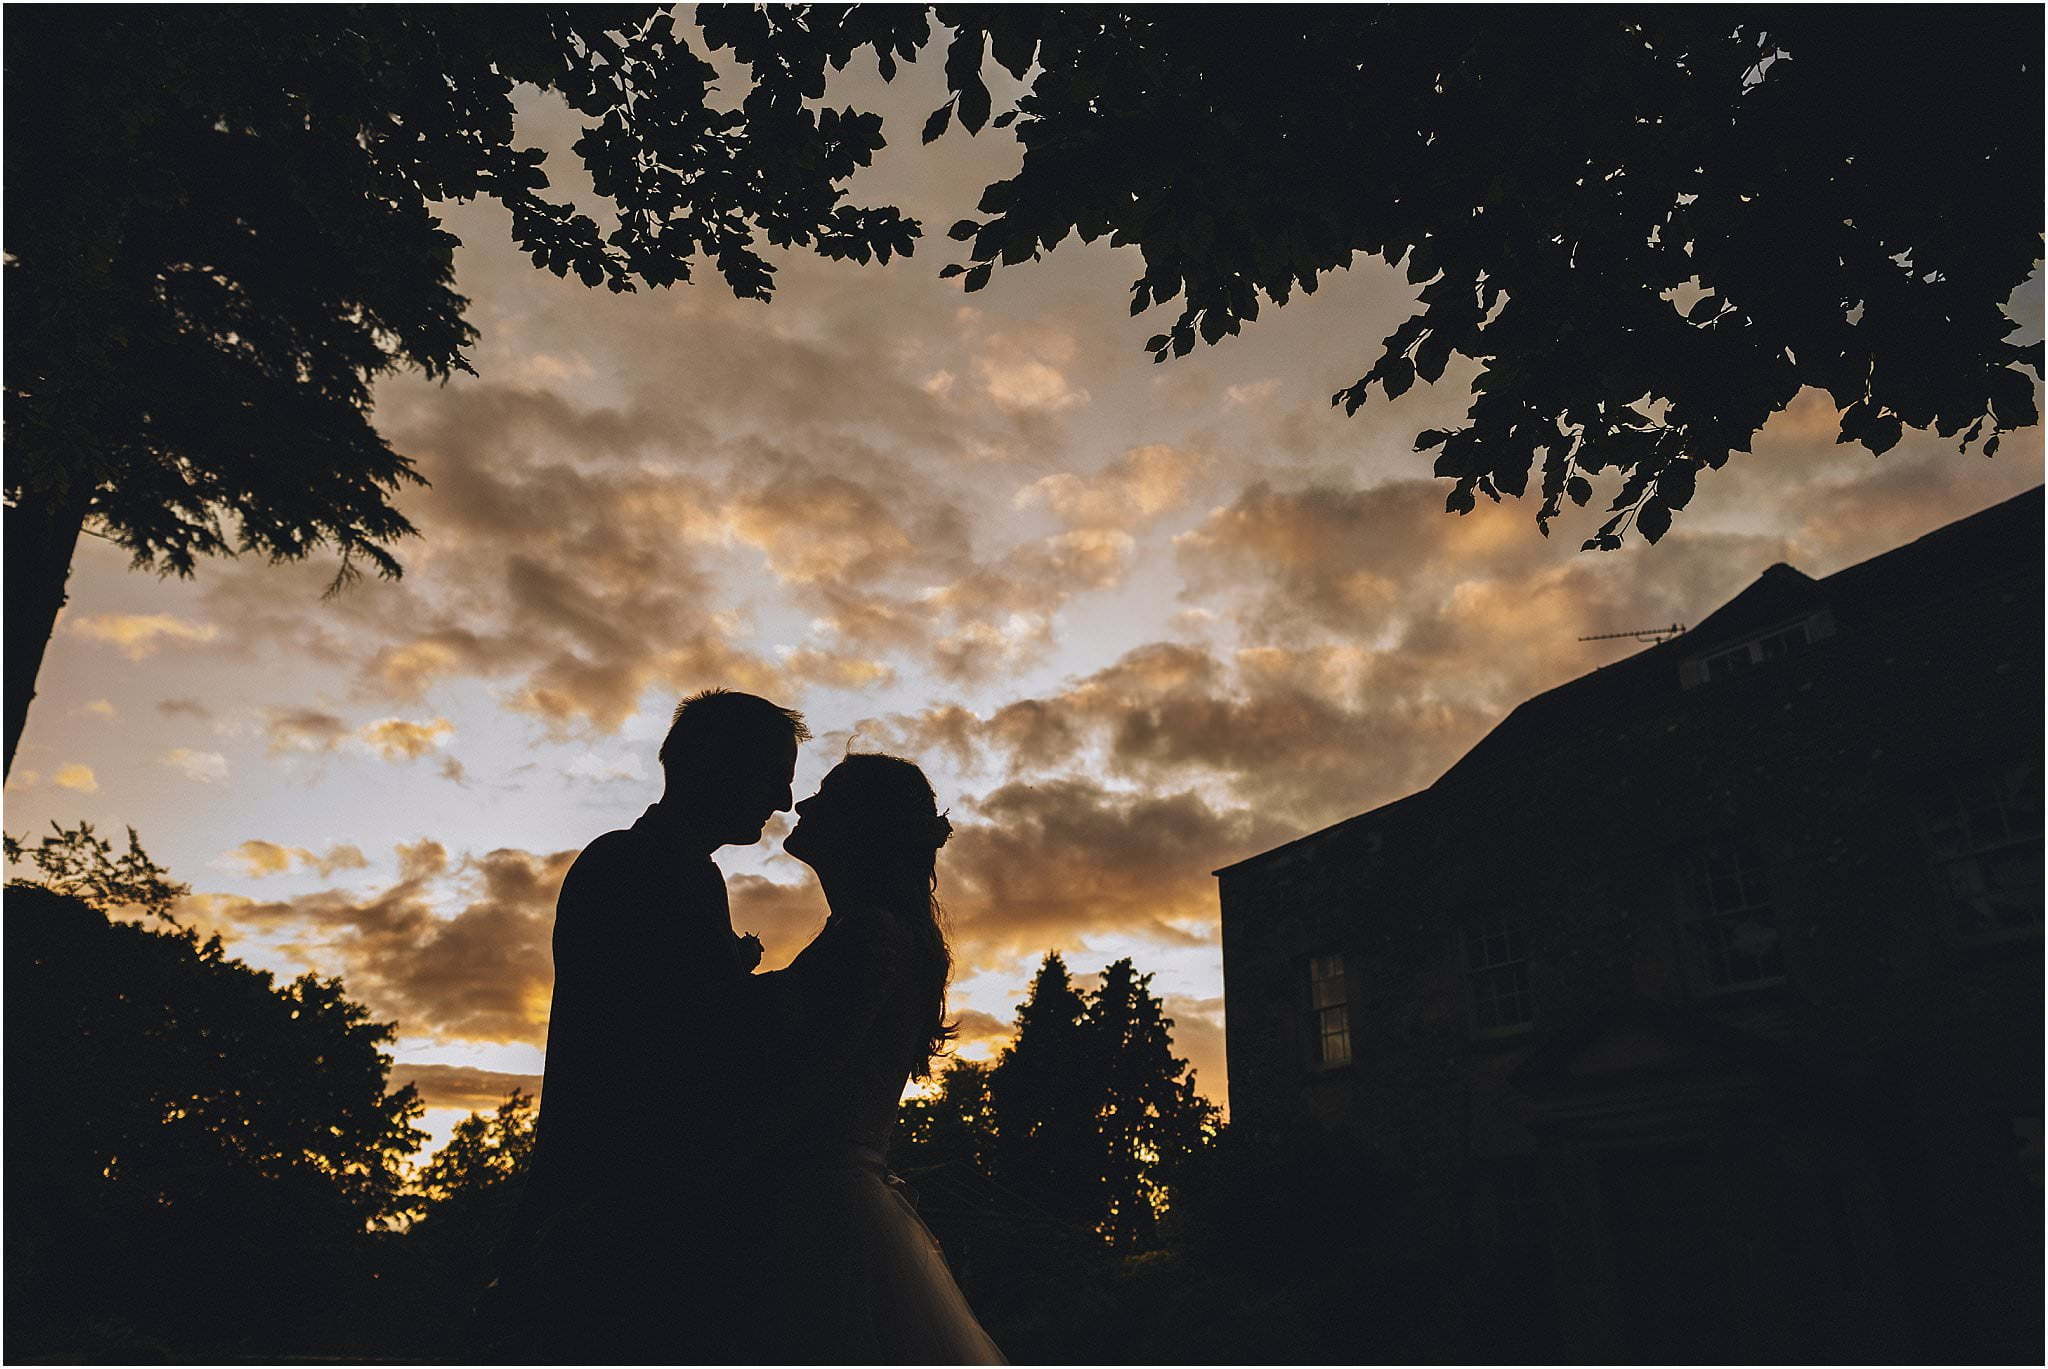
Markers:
{"x": 1087, "y": 1113}
{"x": 465, "y": 1196}
{"x": 1649, "y": 226}
{"x": 224, "y": 235}
{"x": 1150, "y": 1120}
{"x": 75, "y": 861}
{"x": 1042, "y": 1173}
{"x": 1047, "y": 1147}
{"x": 182, "y": 1131}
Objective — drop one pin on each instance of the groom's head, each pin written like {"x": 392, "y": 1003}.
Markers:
{"x": 728, "y": 761}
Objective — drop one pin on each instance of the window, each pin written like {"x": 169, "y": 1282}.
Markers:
{"x": 1734, "y": 930}
{"x": 1497, "y": 976}
{"x": 1329, "y": 1018}
{"x": 1739, "y": 658}
{"x": 1771, "y": 646}
{"x": 1983, "y": 836}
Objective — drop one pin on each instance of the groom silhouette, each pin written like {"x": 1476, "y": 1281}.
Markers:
{"x": 629, "y": 1243}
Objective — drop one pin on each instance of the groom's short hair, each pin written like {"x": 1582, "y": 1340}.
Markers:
{"x": 720, "y": 727}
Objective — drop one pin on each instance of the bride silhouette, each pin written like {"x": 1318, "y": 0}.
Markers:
{"x": 860, "y": 1277}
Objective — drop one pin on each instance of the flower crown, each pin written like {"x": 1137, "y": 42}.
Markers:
{"x": 941, "y": 829}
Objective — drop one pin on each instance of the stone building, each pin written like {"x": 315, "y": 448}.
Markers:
{"x": 1699, "y": 1006}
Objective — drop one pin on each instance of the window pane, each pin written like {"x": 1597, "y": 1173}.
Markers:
{"x": 1983, "y": 836}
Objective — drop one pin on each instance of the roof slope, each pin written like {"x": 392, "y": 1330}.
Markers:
{"x": 1933, "y": 574}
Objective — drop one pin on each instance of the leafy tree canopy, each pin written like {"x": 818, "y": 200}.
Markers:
{"x": 1650, "y": 227}
{"x": 233, "y": 237}
{"x": 229, "y": 236}
{"x": 76, "y": 861}
{"x": 484, "y": 1153}
{"x": 180, "y": 1125}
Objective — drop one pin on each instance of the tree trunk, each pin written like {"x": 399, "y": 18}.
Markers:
{"x": 41, "y": 534}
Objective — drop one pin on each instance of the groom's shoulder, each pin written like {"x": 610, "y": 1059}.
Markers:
{"x": 607, "y": 859}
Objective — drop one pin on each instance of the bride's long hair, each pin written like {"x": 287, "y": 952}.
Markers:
{"x": 905, "y": 830}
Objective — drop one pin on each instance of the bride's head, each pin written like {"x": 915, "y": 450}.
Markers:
{"x": 873, "y": 826}
{"x": 873, "y": 832}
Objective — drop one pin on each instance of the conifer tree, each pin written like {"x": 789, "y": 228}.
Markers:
{"x": 953, "y": 1127}
{"x": 1048, "y": 1146}
{"x": 1148, "y": 1116}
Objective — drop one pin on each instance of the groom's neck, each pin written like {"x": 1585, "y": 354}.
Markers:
{"x": 685, "y": 830}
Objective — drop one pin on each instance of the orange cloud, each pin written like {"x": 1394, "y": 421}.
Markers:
{"x": 141, "y": 634}
{"x": 78, "y": 777}
{"x": 1136, "y": 487}
{"x": 395, "y": 739}
{"x": 260, "y": 858}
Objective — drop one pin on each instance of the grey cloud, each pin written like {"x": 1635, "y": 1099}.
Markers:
{"x": 1038, "y": 862}
{"x": 304, "y": 729}
{"x": 482, "y": 974}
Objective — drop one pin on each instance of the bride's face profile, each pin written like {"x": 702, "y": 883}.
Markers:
{"x": 868, "y": 819}
{"x": 815, "y": 835}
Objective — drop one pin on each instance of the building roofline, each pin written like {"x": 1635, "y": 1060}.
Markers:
{"x": 1356, "y": 819}
{"x": 1672, "y": 647}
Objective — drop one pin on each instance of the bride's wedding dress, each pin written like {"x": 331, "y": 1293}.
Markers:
{"x": 866, "y": 1280}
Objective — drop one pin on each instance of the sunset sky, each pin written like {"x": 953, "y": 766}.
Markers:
{"x": 1136, "y": 621}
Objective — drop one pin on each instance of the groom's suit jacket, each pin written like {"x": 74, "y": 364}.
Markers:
{"x": 654, "y": 1037}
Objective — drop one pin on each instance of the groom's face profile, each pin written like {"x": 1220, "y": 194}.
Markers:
{"x": 732, "y": 795}
{"x": 728, "y": 762}
{"x": 760, "y": 792}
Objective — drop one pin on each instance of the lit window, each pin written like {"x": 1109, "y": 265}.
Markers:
{"x": 1733, "y": 925}
{"x": 1329, "y": 1018}
{"x": 1497, "y": 973}
{"x": 1984, "y": 837}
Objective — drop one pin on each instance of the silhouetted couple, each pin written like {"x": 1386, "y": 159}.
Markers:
{"x": 708, "y": 1182}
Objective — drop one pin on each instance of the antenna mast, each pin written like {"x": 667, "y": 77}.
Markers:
{"x": 1646, "y": 634}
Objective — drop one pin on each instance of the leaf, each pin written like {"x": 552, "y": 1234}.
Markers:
{"x": 1580, "y": 489}
{"x": 1433, "y": 437}
{"x": 1653, "y": 520}
{"x": 1004, "y": 120}
{"x": 974, "y": 106}
{"x": 1432, "y": 355}
{"x": 963, "y": 230}
{"x": 1675, "y": 485}
{"x": 1396, "y": 376}
{"x": 978, "y": 277}
{"x": 937, "y": 124}
{"x": 1882, "y": 434}
{"x": 1421, "y": 262}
